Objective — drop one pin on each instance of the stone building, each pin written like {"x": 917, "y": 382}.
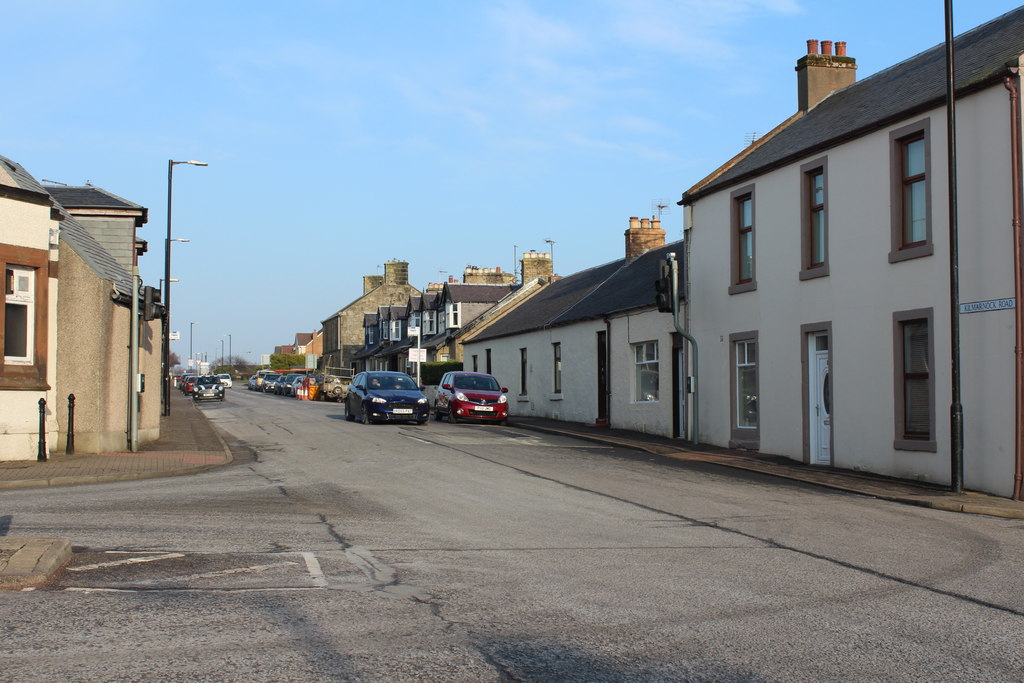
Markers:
{"x": 344, "y": 334}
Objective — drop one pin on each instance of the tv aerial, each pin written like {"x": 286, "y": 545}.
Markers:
{"x": 660, "y": 207}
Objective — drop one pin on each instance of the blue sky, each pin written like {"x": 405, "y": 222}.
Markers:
{"x": 447, "y": 133}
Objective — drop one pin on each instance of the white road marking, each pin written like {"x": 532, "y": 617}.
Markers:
{"x": 313, "y": 567}
{"x": 130, "y": 560}
{"x": 239, "y": 570}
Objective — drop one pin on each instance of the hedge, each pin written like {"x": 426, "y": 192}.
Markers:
{"x": 431, "y": 373}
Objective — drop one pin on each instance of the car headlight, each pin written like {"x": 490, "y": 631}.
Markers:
{"x": 378, "y": 399}
{"x": 459, "y": 395}
{"x": 422, "y": 400}
{"x": 503, "y": 399}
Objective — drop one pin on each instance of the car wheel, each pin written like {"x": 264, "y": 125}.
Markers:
{"x": 437, "y": 414}
{"x": 349, "y": 416}
{"x": 503, "y": 423}
{"x": 451, "y": 415}
{"x": 366, "y": 418}
{"x": 423, "y": 421}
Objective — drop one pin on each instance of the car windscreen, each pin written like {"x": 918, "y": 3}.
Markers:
{"x": 475, "y": 382}
{"x": 391, "y": 382}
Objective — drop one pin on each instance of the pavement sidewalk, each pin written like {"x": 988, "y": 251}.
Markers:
{"x": 188, "y": 443}
{"x": 897, "y": 490}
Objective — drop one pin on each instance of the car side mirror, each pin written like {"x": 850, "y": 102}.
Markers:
{"x": 504, "y": 390}
{"x": 422, "y": 388}
{"x": 360, "y": 387}
{"x": 446, "y": 386}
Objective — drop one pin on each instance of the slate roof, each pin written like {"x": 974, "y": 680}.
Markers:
{"x": 477, "y": 293}
{"x": 899, "y": 92}
{"x": 89, "y": 197}
{"x": 92, "y": 252}
{"x": 611, "y": 288}
{"x": 13, "y": 174}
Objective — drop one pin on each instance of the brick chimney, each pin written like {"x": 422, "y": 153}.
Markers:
{"x": 396, "y": 273}
{"x": 643, "y": 235}
{"x": 537, "y": 264}
{"x": 487, "y": 276}
{"x": 818, "y": 75}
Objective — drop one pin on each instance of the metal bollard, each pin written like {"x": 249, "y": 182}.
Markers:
{"x": 41, "y": 455}
{"x": 69, "y": 449}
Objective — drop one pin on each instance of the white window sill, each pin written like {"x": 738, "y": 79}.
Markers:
{"x": 555, "y": 397}
{"x": 523, "y": 398}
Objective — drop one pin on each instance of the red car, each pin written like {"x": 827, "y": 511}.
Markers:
{"x": 471, "y": 395}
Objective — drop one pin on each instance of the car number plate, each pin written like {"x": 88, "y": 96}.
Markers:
{"x": 403, "y": 411}
{"x": 486, "y": 409}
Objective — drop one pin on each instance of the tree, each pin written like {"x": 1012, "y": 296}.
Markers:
{"x": 284, "y": 361}
{"x": 173, "y": 359}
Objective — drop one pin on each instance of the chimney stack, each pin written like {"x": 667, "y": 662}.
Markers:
{"x": 371, "y": 282}
{"x": 818, "y": 75}
{"x": 487, "y": 276}
{"x": 642, "y": 236}
{"x": 537, "y": 264}
{"x": 396, "y": 273}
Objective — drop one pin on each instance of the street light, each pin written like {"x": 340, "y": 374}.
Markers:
{"x": 167, "y": 278}
{"x": 173, "y": 279}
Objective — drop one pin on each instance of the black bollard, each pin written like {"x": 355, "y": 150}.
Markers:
{"x": 41, "y": 455}
{"x": 70, "y": 448}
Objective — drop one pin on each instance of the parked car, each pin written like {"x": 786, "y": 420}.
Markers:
{"x": 225, "y": 379}
{"x": 269, "y": 384}
{"x": 281, "y": 388}
{"x": 208, "y": 388}
{"x": 386, "y": 397}
{"x": 253, "y": 383}
{"x": 290, "y": 384}
{"x": 262, "y": 375}
{"x": 188, "y": 383}
{"x": 471, "y": 395}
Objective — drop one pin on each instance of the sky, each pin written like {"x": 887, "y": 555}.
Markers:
{"x": 344, "y": 134}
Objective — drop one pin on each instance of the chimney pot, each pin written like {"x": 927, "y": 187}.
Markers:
{"x": 634, "y": 222}
{"x": 841, "y": 48}
{"x": 826, "y": 47}
{"x": 812, "y": 47}
{"x": 645, "y": 223}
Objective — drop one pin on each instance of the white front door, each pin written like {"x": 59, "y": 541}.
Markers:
{"x": 820, "y": 400}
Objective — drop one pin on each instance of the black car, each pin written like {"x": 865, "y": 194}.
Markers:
{"x": 208, "y": 388}
{"x": 386, "y": 397}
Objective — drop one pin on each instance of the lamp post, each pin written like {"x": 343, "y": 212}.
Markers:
{"x": 166, "y": 367}
{"x": 231, "y": 358}
{"x": 222, "y": 351}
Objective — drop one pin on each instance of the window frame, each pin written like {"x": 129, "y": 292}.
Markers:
{"x": 809, "y": 269}
{"x": 903, "y": 441}
{"x": 898, "y": 141}
{"x": 743, "y": 436}
{"x": 646, "y": 366}
{"x": 523, "y": 368}
{"x": 556, "y": 368}
{"x": 740, "y": 284}
{"x": 28, "y": 302}
{"x": 28, "y": 376}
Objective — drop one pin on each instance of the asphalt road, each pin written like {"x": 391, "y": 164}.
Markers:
{"x": 343, "y": 552}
